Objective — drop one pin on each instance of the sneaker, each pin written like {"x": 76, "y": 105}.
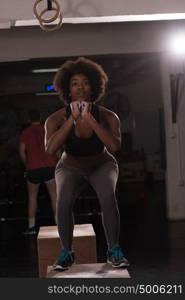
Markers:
{"x": 31, "y": 231}
{"x": 116, "y": 258}
{"x": 64, "y": 261}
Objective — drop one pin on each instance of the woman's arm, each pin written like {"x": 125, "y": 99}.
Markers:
{"x": 109, "y": 130}
{"x": 57, "y": 129}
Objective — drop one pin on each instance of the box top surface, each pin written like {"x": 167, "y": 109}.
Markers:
{"x": 80, "y": 230}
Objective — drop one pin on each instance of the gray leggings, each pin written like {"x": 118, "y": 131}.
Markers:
{"x": 70, "y": 181}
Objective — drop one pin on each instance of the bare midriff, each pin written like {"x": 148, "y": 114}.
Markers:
{"x": 85, "y": 162}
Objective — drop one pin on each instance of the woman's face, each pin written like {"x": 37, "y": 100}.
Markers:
{"x": 80, "y": 88}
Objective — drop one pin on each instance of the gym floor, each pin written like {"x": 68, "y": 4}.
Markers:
{"x": 154, "y": 246}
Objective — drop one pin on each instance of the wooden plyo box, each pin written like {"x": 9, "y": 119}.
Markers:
{"x": 102, "y": 270}
{"x": 49, "y": 246}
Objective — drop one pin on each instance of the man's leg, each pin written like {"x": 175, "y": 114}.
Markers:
{"x": 32, "y": 202}
{"x": 51, "y": 187}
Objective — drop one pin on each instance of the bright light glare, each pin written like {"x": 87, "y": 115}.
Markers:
{"x": 178, "y": 45}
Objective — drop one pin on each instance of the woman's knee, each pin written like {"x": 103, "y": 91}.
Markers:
{"x": 108, "y": 199}
{"x": 65, "y": 210}
{"x": 106, "y": 192}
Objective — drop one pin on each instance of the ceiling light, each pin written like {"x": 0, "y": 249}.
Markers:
{"x": 44, "y": 70}
{"x": 45, "y": 93}
{"x": 108, "y": 19}
{"x": 178, "y": 44}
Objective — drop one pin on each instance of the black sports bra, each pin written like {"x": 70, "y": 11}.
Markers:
{"x": 78, "y": 146}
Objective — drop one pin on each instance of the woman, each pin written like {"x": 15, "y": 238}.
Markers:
{"x": 88, "y": 135}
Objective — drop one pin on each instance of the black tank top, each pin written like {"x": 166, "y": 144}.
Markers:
{"x": 78, "y": 146}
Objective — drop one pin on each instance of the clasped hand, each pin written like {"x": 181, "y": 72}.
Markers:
{"x": 80, "y": 108}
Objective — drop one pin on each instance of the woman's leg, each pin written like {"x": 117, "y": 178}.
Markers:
{"x": 104, "y": 180}
{"x": 68, "y": 182}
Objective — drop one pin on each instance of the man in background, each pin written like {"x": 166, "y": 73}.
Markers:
{"x": 40, "y": 167}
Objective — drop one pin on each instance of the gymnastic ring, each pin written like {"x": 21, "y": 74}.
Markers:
{"x": 51, "y": 19}
{"x": 57, "y": 8}
{"x": 58, "y": 26}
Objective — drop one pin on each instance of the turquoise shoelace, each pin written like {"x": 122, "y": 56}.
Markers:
{"x": 66, "y": 255}
{"x": 116, "y": 252}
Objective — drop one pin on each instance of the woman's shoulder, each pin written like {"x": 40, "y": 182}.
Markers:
{"x": 107, "y": 113}
{"x": 57, "y": 116}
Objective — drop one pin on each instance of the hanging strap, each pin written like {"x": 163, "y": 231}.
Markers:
{"x": 49, "y": 4}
